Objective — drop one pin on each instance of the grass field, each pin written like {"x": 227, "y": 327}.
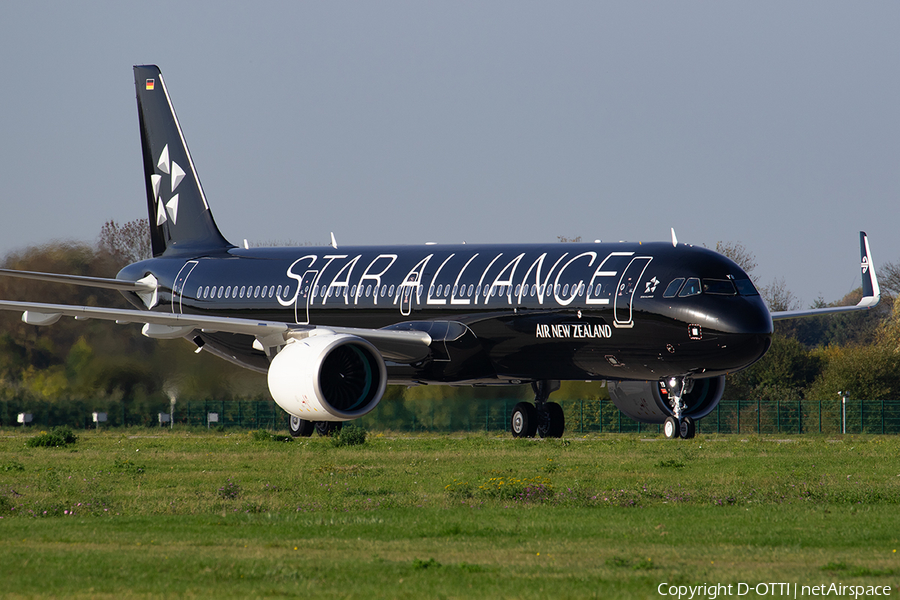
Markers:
{"x": 151, "y": 513}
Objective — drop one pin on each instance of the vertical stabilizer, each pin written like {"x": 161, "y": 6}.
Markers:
{"x": 180, "y": 219}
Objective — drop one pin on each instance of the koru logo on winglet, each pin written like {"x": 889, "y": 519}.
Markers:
{"x": 169, "y": 209}
{"x": 865, "y": 264}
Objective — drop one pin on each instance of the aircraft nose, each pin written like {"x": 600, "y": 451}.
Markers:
{"x": 746, "y": 331}
{"x": 749, "y": 316}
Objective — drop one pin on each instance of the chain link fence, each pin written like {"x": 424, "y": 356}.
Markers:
{"x": 582, "y": 416}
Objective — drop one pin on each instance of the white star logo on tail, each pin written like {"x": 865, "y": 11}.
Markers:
{"x": 169, "y": 209}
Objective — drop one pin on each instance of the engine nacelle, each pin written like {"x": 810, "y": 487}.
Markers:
{"x": 328, "y": 377}
{"x": 646, "y": 402}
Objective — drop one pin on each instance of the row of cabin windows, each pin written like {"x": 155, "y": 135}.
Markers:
{"x": 717, "y": 287}
{"x": 207, "y": 292}
{"x": 678, "y": 287}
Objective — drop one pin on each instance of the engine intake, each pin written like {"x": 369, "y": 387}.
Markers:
{"x": 328, "y": 377}
{"x": 645, "y": 401}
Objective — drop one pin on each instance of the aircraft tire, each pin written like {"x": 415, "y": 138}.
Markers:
{"x": 688, "y": 429}
{"x": 670, "y": 428}
{"x": 328, "y": 428}
{"x": 524, "y": 420}
{"x": 300, "y": 427}
{"x": 553, "y": 423}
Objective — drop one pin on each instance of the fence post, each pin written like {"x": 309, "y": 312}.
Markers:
{"x": 738, "y": 415}
{"x": 820, "y": 416}
{"x": 799, "y": 417}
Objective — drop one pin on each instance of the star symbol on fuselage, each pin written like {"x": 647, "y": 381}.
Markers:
{"x": 169, "y": 209}
{"x": 651, "y": 286}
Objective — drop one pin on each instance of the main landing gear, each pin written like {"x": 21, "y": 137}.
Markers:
{"x": 303, "y": 428}
{"x": 544, "y": 418}
{"x": 679, "y": 425}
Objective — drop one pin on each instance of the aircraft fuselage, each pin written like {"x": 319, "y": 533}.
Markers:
{"x": 497, "y": 313}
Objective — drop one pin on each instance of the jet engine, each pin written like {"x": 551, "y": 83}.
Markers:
{"x": 328, "y": 377}
{"x": 648, "y": 401}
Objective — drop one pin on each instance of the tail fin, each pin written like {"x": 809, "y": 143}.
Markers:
{"x": 180, "y": 219}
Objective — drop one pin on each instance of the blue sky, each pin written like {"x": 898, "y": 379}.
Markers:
{"x": 771, "y": 124}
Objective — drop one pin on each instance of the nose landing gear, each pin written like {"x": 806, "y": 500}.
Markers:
{"x": 679, "y": 425}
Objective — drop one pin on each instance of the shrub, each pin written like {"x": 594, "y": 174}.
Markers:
{"x": 349, "y": 435}
{"x": 261, "y": 435}
{"x": 58, "y": 436}
{"x": 425, "y": 564}
{"x": 229, "y": 491}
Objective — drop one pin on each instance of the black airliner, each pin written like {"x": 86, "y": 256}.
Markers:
{"x": 663, "y": 322}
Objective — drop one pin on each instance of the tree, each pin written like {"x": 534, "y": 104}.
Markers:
{"x": 889, "y": 277}
{"x": 864, "y": 372}
{"x": 777, "y": 296}
{"x": 788, "y": 365}
{"x": 127, "y": 243}
{"x": 737, "y": 252}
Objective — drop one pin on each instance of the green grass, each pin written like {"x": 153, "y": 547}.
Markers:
{"x": 148, "y": 513}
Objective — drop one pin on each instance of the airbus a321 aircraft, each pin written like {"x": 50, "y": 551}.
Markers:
{"x": 663, "y": 323}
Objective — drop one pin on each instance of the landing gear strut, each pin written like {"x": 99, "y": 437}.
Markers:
{"x": 544, "y": 418}
{"x": 679, "y": 425}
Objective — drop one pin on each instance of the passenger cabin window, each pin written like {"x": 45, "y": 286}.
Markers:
{"x": 691, "y": 288}
{"x": 673, "y": 288}
{"x": 719, "y": 287}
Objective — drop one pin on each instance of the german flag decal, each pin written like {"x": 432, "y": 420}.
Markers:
{"x": 150, "y": 84}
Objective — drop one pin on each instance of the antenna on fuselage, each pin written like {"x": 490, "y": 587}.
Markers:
{"x": 674, "y": 238}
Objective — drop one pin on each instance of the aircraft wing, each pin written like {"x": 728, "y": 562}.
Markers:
{"x": 396, "y": 345}
{"x": 143, "y": 285}
{"x": 871, "y": 290}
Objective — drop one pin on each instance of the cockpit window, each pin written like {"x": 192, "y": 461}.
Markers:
{"x": 673, "y": 288}
{"x": 719, "y": 287}
{"x": 745, "y": 287}
{"x": 691, "y": 288}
